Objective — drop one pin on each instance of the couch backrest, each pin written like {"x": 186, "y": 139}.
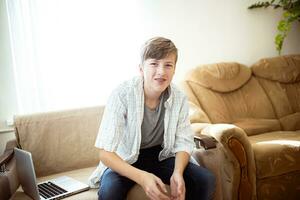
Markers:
{"x": 280, "y": 78}
{"x": 228, "y": 93}
{"x": 60, "y": 141}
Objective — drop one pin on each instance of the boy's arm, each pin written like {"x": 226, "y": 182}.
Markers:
{"x": 183, "y": 148}
{"x": 152, "y": 185}
{"x": 184, "y": 136}
{"x": 177, "y": 182}
{"x": 181, "y": 160}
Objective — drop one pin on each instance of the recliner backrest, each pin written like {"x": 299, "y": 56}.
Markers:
{"x": 280, "y": 78}
{"x": 228, "y": 93}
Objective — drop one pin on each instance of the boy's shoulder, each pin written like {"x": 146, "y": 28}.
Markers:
{"x": 128, "y": 86}
{"x": 177, "y": 92}
{"x": 131, "y": 83}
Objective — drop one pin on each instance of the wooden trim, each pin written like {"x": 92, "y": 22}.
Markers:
{"x": 245, "y": 188}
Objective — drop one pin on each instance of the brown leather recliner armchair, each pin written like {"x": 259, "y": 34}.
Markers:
{"x": 254, "y": 113}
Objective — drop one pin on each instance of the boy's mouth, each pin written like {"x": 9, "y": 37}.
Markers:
{"x": 160, "y": 80}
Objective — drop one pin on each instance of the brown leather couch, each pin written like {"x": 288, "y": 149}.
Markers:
{"x": 254, "y": 113}
{"x": 62, "y": 143}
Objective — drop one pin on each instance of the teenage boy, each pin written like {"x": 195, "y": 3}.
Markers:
{"x": 145, "y": 135}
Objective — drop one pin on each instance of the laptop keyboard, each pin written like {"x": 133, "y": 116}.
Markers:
{"x": 49, "y": 189}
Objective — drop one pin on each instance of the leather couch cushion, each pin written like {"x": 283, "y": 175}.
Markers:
{"x": 51, "y": 137}
{"x": 80, "y": 175}
{"x": 136, "y": 193}
{"x": 276, "y": 153}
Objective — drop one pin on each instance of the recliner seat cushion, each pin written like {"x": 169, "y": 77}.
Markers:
{"x": 254, "y": 126}
{"x": 276, "y": 153}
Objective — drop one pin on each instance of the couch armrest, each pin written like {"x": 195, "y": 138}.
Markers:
{"x": 198, "y": 127}
{"x": 8, "y": 176}
{"x": 4, "y": 159}
{"x": 205, "y": 141}
{"x": 208, "y": 142}
{"x": 237, "y": 162}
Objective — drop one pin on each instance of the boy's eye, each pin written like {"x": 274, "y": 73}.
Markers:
{"x": 153, "y": 63}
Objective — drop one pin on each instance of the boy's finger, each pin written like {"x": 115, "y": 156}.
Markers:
{"x": 179, "y": 190}
{"x": 162, "y": 186}
{"x": 173, "y": 189}
{"x": 159, "y": 194}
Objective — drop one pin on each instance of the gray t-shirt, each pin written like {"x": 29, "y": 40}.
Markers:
{"x": 153, "y": 124}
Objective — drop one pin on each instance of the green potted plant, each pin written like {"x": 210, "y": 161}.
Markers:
{"x": 291, "y": 14}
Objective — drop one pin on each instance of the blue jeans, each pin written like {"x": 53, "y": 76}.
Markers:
{"x": 199, "y": 182}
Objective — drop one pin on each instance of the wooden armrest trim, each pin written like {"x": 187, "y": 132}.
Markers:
{"x": 245, "y": 189}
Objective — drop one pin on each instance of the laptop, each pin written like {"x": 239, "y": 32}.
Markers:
{"x": 57, "y": 188}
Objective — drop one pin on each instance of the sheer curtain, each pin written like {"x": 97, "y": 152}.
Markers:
{"x": 72, "y": 53}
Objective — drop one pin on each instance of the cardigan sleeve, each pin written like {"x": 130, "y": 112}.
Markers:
{"x": 184, "y": 134}
{"x": 113, "y": 123}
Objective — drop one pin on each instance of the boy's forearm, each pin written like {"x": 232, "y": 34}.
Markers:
{"x": 181, "y": 160}
{"x": 117, "y": 164}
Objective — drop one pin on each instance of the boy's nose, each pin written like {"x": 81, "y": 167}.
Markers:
{"x": 161, "y": 69}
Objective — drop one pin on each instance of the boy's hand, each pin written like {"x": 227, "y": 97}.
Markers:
{"x": 177, "y": 186}
{"x": 154, "y": 188}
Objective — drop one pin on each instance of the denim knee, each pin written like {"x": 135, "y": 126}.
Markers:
{"x": 201, "y": 182}
{"x": 110, "y": 190}
{"x": 113, "y": 186}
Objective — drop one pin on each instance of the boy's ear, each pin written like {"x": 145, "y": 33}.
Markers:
{"x": 141, "y": 69}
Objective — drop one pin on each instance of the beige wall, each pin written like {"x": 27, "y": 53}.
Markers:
{"x": 215, "y": 31}
{"x": 204, "y": 31}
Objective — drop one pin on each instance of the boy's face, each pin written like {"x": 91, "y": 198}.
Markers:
{"x": 158, "y": 74}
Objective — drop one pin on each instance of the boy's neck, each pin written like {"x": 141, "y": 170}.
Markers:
{"x": 152, "y": 99}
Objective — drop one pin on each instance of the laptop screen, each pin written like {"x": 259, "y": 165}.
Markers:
{"x": 59, "y": 187}
{"x": 26, "y": 173}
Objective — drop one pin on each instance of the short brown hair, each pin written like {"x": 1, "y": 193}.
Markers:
{"x": 158, "y": 48}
